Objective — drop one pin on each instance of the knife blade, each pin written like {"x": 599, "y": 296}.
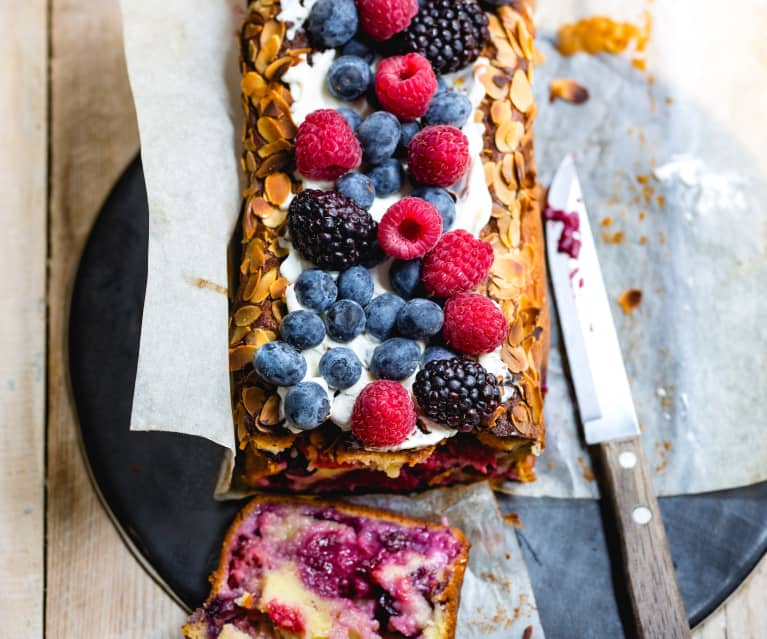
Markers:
{"x": 607, "y": 413}
{"x": 593, "y": 351}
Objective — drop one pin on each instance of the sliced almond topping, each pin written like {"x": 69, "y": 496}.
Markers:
{"x": 253, "y": 85}
{"x": 568, "y": 90}
{"x": 277, "y": 162}
{"x": 274, "y": 147}
{"x": 501, "y": 190}
{"x": 262, "y": 290}
{"x": 253, "y": 398}
{"x": 500, "y": 111}
{"x": 276, "y": 219}
{"x": 237, "y": 333}
{"x": 277, "y": 187}
{"x": 278, "y": 67}
{"x": 267, "y": 53}
{"x": 521, "y": 91}
{"x": 525, "y": 40}
{"x": 496, "y": 83}
{"x": 278, "y": 310}
{"x": 286, "y": 127}
{"x": 515, "y": 358}
{"x": 250, "y": 162}
{"x": 250, "y": 286}
{"x": 270, "y": 413}
{"x": 519, "y": 168}
{"x": 507, "y": 170}
{"x": 241, "y": 356}
{"x": 268, "y": 129}
{"x": 259, "y": 337}
{"x": 246, "y": 315}
{"x": 508, "y": 134}
{"x": 273, "y": 28}
{"x": 277, "y": 290}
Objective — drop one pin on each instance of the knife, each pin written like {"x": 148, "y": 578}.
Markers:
{"x": 607, "y": 414}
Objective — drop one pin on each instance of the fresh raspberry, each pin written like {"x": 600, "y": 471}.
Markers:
{"x": 326, "y": 146}
{"x": 383, "y": 415}
{"x": 457, "y": 263}
{"x": 473, "y": 324}
{"x": 410, "y": 228}
{"x": 381, "y": 19}
{"x": 438, "y": 155}
{"x": 405, "y": 85}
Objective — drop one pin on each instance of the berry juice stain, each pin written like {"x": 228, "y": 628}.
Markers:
{"x": 569, "y": 241}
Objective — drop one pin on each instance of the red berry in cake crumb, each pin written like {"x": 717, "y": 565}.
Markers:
{"x": 438, "y": 155}
{"x": 457, "y": 263}
{"x": 405, "y": 85}
{"x": 410, "y": 228}
{"x": 326, "y": 146}
{"x": 383, "y": 415}
{"x": 473, "y": 324}
{"x": 381, "y": 19}
{"x": 286, "y": 617}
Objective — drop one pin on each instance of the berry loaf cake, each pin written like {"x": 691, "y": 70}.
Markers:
{"x": 300, "y": 569}
{"x": 389, "y": 327}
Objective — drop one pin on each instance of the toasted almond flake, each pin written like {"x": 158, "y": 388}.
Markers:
{"x": 278, "y": 310}
{"x": 250, "y": 161}
{"x": 501, "y": 291}
{"x": 277, "y": 290}
{"x": 507, "y": 170}
{"x": 498, "y": 212}
{"x": 270, "y": 412}
{"x": 267, "y": 53}
{"x": 496, "y": 83}
{"x": 249, "y": 224}
{"x": 250, "y": 286}
{"x": 253, "y": 85}
{"x": 255, "y": 252}
{"x": 519, "y": 168}
{"x": 525, "y": 40}
{"x": 276, "y": 219}
{"x": 260, "y": 336}
{"x": 262, "y": 290}
{"x": 521, "y": 91}
{"x": 276, "y": 162}
{"x": 274, "y": 147}
{"x": 277, "y": 187}
{"x": 508, "y": 134}
{"x": 237, "y": 334}
{"x": 500, "y": 111}
{"x": 273, "y": 28}
{"x": 278, "y": 67}
{"x": 489, "y": 173}
{"x": 253, "y": 398}
{"x": 501, "y": 190}
{"x": 268, "y": 129}
{"x": 507, "y": 269}
{"x": 568, "y": 90}
{"x": 277, "y": 250}
{"x": 286, "y": 128}
{"x": 241, "y": 356}
{"x": 505, "y": 54}
{"x": 246, "y": 315}
{"x": 515, "y": 359}
{"x": 260, "y": 207}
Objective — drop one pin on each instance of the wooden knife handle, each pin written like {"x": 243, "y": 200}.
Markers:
{"x": 651, "y": 581}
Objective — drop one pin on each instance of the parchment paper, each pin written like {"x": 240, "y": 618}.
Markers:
{"x": 497, "y": 599}
{"x": 696, "y": 136}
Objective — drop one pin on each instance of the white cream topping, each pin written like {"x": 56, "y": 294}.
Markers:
{"x": 473, "y": 208}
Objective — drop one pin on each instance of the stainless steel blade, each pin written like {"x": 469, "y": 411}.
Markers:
{"x": 593, "y": 351}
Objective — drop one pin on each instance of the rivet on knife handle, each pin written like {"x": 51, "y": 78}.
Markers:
{"x": 652, "y": 587}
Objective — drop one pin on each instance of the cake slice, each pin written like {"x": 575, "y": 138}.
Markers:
{"x": 312, "y": 234}
{"x": 294, "y": 568}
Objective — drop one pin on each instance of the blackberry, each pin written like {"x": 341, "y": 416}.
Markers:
{"x": 457, "y": 392}
{"x": 450, "y": 33}
{"x": 331, "y": 229}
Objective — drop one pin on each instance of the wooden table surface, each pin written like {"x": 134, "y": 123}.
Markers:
{"x": 68, "y": 132}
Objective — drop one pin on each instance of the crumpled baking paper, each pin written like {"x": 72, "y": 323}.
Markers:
{"x": 497, "y": 599}
{"x": 675, "y": 156}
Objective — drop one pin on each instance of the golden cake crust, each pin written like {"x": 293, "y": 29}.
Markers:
{"x": 449, "y": 597}
{"x": 517, "y": 281}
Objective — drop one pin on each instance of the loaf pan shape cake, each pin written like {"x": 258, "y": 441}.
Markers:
{"x": 278, "y": 62}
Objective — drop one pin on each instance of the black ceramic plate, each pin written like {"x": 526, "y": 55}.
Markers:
{"x": 158, "y": 486}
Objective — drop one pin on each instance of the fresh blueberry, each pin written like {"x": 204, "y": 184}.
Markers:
{"x": 419, "y": 319}
{"x": 358, "y": 187}
{"x": 332, "y": 23}
{"x": 397, "y": 358}
{"x": 316, "y": 289}
{"x": 409, "y": 129}
{"x": 349, "y": 78}
{"x": 382, "y": 315}
{"x": 387, "y": 177}
{"x": 355, "y": 284}
{"x": 379, "y": 135}
{"x": 351, "y": 116}
{"x": 280, "y": 364}
{"x": 302, "y": 329}
{"x": 441, "y": 199}
{"x": 442, "y": 85}
{"x": 405, "y": 277}
{"x": 307, "y": 405}
{"x": 360, "y": 49}
{"x": 340, "y": 368}
{"x": 345, "y": 320}
{"x": 449, "y": 107}
{"x": 433, "y": 353}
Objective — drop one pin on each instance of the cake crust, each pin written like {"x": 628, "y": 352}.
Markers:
{"x": 517, "y": 281}
{"x": 449, "y": 597}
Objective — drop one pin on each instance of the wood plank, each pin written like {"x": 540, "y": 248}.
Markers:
{"x": 23, "y": 185}
{"x": 95, "y": 588}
